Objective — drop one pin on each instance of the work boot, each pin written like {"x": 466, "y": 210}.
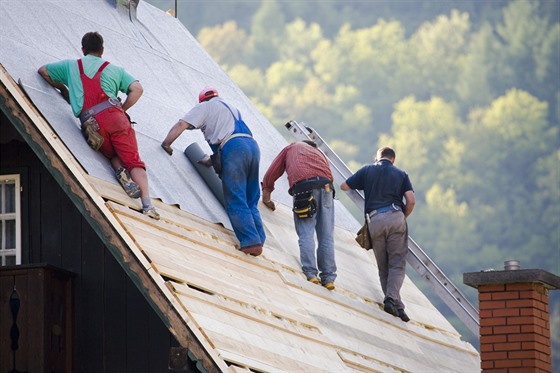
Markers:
{"x": 389, "y": 307}
{"x": 403, "y": 316}
{"x": 314, "y": 280}
{"x": 129, "y": 186}
{"x": 151, "y": 212}
{"x": 254, "y": 250}
{"x": 329, "y": 285}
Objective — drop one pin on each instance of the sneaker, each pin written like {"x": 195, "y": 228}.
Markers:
{"x": 129, "y": 186}
{"x": 329, "y": 285}
{"x": 403, "y": 316}
{"x": 389, "y": 307}
{"x": 151, "y": 212}
{"x": 254, "y": 250}
{"x": 314, "y": 280}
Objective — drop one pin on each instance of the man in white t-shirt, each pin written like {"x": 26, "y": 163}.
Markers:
{"x": 230, "y": 138}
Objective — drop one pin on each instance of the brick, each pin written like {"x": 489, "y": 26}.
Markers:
{"x": 530, "y": 312}
{"x": 487, "y": 347}
{"x": 486, "y": 330}
{"x": 490, "y": 305}
{"x": 520, "y": 303}
{"x": 544, "y": 357}
{"x": 518, "y": 370}
{"x": 521, "y": 286}
{"x": 493, "y": 339}
{"x": 491, "y": 288}
{"x": 531, "y": 329}
{"x": 493, "y": 321}
{"x": 509, "y": 363}
{"x": 541, "y": 306}
{"x": 513, "y": 346}
{"x": 487, "y": 364}
{"x": 486, "y": 356}
{"x": 506, "y": 295}
{"x": 506, "y": 312}
{"x": 484, "y": 296}
{"x": 535, "y": 346}
{"x": 523, "y": 354}
{"x": 526, "y": 337}
{"x": 509, "y": 329}
{"x": 530, "y": 295}
{"x": 484, "y": 314}
{"x": 522, "y": 320}
{"x": 503, "y": 370}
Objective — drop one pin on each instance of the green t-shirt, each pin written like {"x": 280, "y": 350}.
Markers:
{"x": 113, "y": 78}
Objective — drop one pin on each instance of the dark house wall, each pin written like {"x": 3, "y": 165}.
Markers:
{"x": 115, "y": 328}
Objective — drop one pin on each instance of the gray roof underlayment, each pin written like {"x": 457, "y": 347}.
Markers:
{"x": 265, "y": 324}
{"x": 172, "y": 67}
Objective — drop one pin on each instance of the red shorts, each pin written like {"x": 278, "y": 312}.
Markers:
{"x": 120, "y": 138}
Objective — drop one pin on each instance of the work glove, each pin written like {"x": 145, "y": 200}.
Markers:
{"x": 168, "y": 149}
{"x": 267, "y": 201}
{"x": 206, "y": 161}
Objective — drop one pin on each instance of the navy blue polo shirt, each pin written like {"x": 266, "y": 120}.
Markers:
{"x": 382, "y": 183}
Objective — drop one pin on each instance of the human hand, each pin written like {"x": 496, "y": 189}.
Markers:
{"x": 206, "y": 161}
{"x": 168, "y": 149}
{"x": 269, "y": 204}
{"x": 267, "y": 201}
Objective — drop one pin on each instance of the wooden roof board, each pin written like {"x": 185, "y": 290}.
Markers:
{"x": 262, "y": 298}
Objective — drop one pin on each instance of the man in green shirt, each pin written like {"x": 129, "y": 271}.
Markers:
{"x": 91, "y": 86}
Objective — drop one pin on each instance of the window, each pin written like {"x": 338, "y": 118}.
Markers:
{"x": 10, "y": 220}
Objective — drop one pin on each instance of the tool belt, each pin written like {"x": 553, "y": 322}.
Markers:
{"x": 316, "y": 182}
{"x": 305, "y": 205}
{"x": 96, "y": 109}
{"x": 391, "y": 207}
{"x": 217, "y": 156}
{"x": 90, "y": 126}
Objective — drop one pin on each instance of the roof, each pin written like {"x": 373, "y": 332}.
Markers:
{"x": 233, "y": 311}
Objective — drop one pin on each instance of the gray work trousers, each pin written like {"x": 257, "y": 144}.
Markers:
{"x": 389, "y": 239}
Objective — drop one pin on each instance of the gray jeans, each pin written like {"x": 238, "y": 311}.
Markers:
{"x": 389, "y": 239}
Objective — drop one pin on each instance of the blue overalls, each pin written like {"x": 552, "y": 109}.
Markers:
{"x": 240, "y": 181}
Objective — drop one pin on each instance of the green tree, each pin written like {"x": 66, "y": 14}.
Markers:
{"x": 439, "y": 48}
{"x": 226, "y": 43}
{"x": 266, "y": 31}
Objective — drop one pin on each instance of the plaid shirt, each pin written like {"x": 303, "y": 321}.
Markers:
{"x": 300, "y": 161}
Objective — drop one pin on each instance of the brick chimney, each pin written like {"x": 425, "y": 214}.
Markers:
{"x": 514, "y": 318}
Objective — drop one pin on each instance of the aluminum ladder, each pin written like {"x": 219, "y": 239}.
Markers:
{"x": 417, "y": 258}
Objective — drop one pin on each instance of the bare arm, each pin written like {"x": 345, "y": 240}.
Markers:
{"x": 61, "y": 87}
{"x": 135, "y": 90}
{"x": 410, "y": 200}
{"x": 173, "y": 133}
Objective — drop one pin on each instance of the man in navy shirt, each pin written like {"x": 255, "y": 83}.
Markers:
{"x": 385, "y": 186}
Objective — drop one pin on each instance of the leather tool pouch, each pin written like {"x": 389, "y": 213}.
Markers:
{"x": 362, "y": 237}
{"x": 217, "y": 161}
{"x": 93, "y": 138}
{"x": 305, "y": 205}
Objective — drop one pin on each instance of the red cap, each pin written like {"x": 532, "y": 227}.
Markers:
{"x": 207, "y": 93}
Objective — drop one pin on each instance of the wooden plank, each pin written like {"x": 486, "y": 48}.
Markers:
{"x": 115, "y": 193}
{"x": 364, "y": 364}
{"x": 288, "y": 322}
{"x": 269, "y": 348}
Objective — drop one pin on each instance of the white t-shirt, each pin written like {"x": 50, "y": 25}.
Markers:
{"x": 213, "y": 119}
